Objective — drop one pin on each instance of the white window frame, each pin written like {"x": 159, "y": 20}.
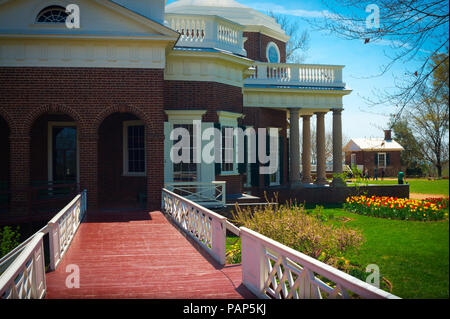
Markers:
{"x": 50, "y": 126}
{"x": 385, "y": 160}
{"x": 126, "y": 171}
{"x": 270, "y": 45}
{"x": 352, "y": 159}
{"x": 230, "y": 119}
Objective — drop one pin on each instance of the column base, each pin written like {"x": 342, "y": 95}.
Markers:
{"x": 295, "y": 185}
{"x": 338, "y": 182}
{"x": 320, "y": 182}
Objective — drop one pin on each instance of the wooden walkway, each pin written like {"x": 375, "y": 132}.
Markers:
{"x": 134, "y": 255}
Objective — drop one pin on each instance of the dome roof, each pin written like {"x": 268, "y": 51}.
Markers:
{"x": 232, "y": 10}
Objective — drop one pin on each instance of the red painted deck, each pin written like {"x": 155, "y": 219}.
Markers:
{"x": 141, "y": 255}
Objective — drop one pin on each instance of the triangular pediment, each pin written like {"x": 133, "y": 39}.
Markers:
{"x": 97, "y": 17}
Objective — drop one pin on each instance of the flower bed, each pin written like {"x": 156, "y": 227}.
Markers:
{"x": 398, "y": 208}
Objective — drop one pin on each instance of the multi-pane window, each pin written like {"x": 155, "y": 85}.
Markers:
{"x": 186, "y": 172}
{"x": 53, "y": 14}
{"x": 227, "y": 149}
{"x": 135, "y": 149}
{"x": 382, "y": 160}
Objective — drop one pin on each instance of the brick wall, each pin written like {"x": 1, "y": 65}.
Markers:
{"x": 210, "y": 96}
{"x": 256, "y": 46}
{"x": 4, "y": 153}
{"x": 88, "y": 95}
{"x": 368, "y": 160}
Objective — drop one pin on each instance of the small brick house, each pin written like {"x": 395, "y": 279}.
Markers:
{"x": 370, "y": 153}
{"x": 95, "y": 105}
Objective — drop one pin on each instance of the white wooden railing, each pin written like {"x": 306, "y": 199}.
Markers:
{"x": 297, "y": 74}
{"x": 198, "y": 31}
{"x": 22, "y": 271}
{"x": 25, "y": 277}
{"x": 272, "y": 270}
{"x": 209, "y": 195}
{"x": 63, "y": 226}
{"x": 203, "y": 225}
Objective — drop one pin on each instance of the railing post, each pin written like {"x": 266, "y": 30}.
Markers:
{"x": 253, "y": 266}
{"x": 55, "y": 245}
{"x": 218, "y": 240}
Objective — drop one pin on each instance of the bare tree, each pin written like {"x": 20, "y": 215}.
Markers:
{"x": 412, "y": 29}
{"x": 298, "y": 44}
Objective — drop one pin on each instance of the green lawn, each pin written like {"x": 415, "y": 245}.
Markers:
{"x": 413, "y": 256}
{"x": 421, "y": 186}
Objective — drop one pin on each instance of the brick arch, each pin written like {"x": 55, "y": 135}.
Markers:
{"x": 122, "y": 109}
{"x": 9, "y": 121}
{"x": 41, "y": 110}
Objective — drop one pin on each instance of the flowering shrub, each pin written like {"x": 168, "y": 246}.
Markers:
{"x": 292, "y": 226}
{"x": 396, "y": 208}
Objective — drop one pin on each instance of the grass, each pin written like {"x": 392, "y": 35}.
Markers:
{"x": 420, "y": 185}
{"x": 413, "y": 256}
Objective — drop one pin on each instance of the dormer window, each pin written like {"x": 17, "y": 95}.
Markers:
{"x": 273, "y": 53}
{"x": 52, "y": 14}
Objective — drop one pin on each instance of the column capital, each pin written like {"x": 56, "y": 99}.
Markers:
{"x": 306, "y": 116}
{"x": 337, "y": 111}
{"x": 321, "y": 113}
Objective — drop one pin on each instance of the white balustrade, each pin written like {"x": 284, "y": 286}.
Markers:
{"x": 272, "y": 270}
{"x": 203, "y": 225}
{"x": 297, "y": 74}
{"x": 25, "y": 276}
{"x": 198, "y": 31}
{"x": 63, "y": 226}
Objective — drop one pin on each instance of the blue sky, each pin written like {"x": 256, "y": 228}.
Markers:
{"x": 363, "y": 62}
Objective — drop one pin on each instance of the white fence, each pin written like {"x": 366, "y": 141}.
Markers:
{"x": 272, "y": 270}
{"x": 202, "y": 224}
{"x": 208, "y": 32}
{"x": 269, "y": 269}
{"x": 22, "y": 271}
{"x": 297, "y": 74}
{"x": 210, "y": 195}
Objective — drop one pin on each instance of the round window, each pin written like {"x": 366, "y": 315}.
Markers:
{"x": 273, "y": 53}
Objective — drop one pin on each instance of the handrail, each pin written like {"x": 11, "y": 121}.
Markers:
{"x": 25, "y": 278}
{"x": 203, "y": 225}
{"x": 27, "y": 259}
{"x": 208, "y": 194}
{"x": 271, "y": 269}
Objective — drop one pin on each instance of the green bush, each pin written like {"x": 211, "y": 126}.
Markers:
{"x": 9, "y": 239}
{"x": 308, "y": 233}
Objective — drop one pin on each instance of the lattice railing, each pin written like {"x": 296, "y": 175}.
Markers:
{"x": 272, "y": 270}
{"x": 25, "y": 277}
{"x": 205, "y": 226}
{"x": 206, "y": 194}
{"x": 63, "y": 226}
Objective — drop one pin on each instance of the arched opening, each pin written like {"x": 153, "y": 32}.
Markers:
{"x": 5, "y": 177}
{"x": 54, "y": 164}
{"x": 122, "y": 176}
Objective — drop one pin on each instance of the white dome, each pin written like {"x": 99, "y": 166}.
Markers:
{"x": 231, "y": 10}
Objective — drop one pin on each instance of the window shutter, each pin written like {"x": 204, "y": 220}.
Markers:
{"x": 376, "y": 159}
{"x": 288, "y": 159}
{"x": 218, "y": 166}
{"x": 388, "y": 159}
{"x": 267, "y": 176}
{"x": 255, "y": 169}
{"x": 242, "y": 167}
{"x": 281, "y": 141}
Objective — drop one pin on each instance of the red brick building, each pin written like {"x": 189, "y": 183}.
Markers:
{"x": 94, "y": 106}
{"x": 375, "y": 153}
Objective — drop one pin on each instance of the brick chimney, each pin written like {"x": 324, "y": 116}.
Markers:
{"x": 387, "y": 135}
